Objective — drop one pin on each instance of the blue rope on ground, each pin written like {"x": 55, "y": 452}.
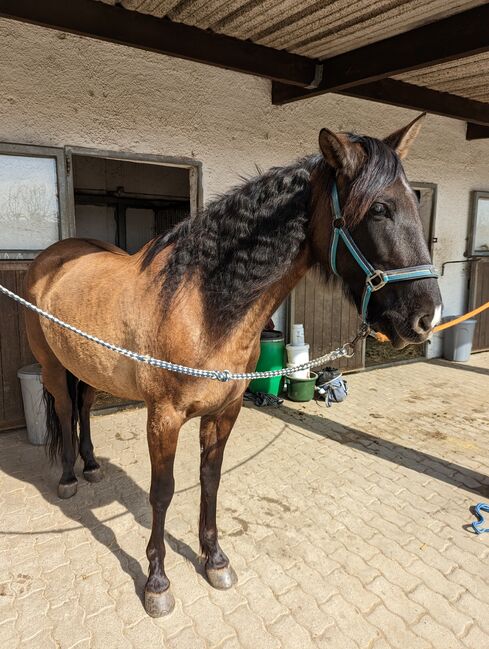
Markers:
{"x": 480, "y": 507}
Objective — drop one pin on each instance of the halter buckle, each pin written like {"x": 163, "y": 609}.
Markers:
{"x": 376, "y": 280}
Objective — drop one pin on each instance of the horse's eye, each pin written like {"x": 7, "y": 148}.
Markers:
{"x": 378, "y": 209}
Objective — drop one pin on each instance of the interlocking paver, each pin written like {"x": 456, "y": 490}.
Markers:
{"x": 392, "y": 626}
{"x": 262, "y": 600}
{"x": 438, "y": 635}
{"x": 441, "y": 610}
{"x": 436, "y": 581}
{"x": 291, "y": 633}
{"x": 345, "y": 526}
{"x": 250, "y": 629}
{"x": 475, "y": 638}
{"x": 396, "y": 600}
{"x": 472, "y": 605}
{"x": 306, "y": 612}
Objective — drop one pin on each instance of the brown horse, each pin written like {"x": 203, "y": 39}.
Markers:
{"x": 201, "y": 295}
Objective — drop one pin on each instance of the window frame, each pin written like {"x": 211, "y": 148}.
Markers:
{"x": 35, "y": 151}
{"x": 474, "y": 199}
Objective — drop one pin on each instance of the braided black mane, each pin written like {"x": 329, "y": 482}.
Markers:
{"x": 248, "y": 238}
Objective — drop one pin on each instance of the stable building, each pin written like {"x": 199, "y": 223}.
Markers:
{"x": 119, "y": 119}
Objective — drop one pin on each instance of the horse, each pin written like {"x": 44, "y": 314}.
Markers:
{"x": 200, "y": 296}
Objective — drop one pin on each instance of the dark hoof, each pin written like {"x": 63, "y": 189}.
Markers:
{"x": 93, "y": 475}
{"x": 67, "y": 490}
{"x": 221, "y": 578}
{"x": 159, "y": 604}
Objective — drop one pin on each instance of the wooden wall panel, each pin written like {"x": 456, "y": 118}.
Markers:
{"x": 14, "y": 348}
{"x": 328, "y": 316}
{"x": 479, "y": 294}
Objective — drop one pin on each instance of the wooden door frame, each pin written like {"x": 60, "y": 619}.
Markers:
{"x": 474, "y": 198}
{"x": 434, "y": 187}
{"x": 473, "y": 278}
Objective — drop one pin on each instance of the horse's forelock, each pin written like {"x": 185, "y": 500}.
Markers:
{"x": 381, "y": 168}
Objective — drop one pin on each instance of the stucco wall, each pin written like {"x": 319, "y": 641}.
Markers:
{"x": 59, "y": 89}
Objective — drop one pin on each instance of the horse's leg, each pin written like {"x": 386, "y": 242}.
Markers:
{"x": 91, "y": 468}
{"x": 214, "y": 433}
{"x": 163, "y": 428}
{"x": 61, "y": 396}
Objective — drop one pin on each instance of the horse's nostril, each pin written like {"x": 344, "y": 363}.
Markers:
{"x": 422, "y": 324}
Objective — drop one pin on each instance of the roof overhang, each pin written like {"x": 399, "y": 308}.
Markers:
{"x": 441, "y": 66}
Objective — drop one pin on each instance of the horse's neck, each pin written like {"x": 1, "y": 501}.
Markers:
{"x": 264, "y": 306}
{"x": 312, "y": 252}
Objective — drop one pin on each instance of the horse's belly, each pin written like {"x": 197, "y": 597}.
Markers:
{"x": 98, "y": 367}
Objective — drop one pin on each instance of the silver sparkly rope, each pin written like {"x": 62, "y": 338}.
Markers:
{"x": 345, "y": 351}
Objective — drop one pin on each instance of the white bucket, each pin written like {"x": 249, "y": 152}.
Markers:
{"x": 34, "y": 408}
{"x": 297, "y": 334}
{"x": 297, "y": 354}
{"x": 301, "y": 374}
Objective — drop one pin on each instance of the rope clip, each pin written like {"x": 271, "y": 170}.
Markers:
{"x": 223, "y": 376}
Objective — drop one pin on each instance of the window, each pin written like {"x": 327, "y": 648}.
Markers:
{"x": 30, "y": 206}
{"x": 479, "y": 236}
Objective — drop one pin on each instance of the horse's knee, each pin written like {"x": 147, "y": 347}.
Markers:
{"x": 160, "y": 496}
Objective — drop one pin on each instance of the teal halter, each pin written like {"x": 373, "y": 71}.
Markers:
{"x": 375, "y": 279}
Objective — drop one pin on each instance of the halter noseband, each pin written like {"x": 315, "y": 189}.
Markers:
{"x": 375, "y": 279}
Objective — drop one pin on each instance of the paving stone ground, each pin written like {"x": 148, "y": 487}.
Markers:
{"x": 346, "y": 526}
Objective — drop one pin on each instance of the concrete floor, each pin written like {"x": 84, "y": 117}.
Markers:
{"x": 346, "y": 526}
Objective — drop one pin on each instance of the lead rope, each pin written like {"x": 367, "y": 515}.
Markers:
{"x": 345, "y": 351}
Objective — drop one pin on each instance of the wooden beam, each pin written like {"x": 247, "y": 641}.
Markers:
{"x": 461, "y": 35}
{"x": 118, "y": 25}
{"x": 476, "y": 132}
{"x": 407, "y": 95}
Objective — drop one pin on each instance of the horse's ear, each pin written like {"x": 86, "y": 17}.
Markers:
{"x": 402, "y": 139}
{"x": 339, "y": 152}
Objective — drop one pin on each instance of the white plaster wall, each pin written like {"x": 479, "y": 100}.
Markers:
{"x": 59, "y": 89}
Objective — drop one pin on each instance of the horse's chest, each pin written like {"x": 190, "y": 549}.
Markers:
{"x": 213, "y": 399}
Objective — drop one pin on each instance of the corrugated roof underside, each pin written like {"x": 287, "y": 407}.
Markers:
{"x": 315, "y": 28}
{"x": 467, "y": 77}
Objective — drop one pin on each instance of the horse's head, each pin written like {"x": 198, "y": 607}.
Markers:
{"x": 380, "y": 211}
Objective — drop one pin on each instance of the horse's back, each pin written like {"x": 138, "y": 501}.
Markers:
{"x": 80, "y": 256}
{"x": 72, "y": 249}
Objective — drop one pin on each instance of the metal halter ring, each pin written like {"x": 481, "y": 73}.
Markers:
{"x": 348, "y": 350}
{"x": 376, "y": 280}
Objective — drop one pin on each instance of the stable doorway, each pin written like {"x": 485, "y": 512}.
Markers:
{"x": 127, "y": 203}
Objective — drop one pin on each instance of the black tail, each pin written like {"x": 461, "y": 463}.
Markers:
{"x": 54, "y": 444}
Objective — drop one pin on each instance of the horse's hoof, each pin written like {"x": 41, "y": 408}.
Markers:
{"x": 67, "y": 490}
{"x": 93, "y": 475}
{"x": 159, "y": 604}
{"x": 221, "y": 578}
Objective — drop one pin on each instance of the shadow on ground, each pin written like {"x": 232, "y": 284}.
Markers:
{"x": 28, "y": 464}
{"x": 416, "y": 460}
{"x": 459, "y": 366}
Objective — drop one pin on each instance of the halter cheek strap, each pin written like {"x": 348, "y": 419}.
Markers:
{"x": 375, "y": 279}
